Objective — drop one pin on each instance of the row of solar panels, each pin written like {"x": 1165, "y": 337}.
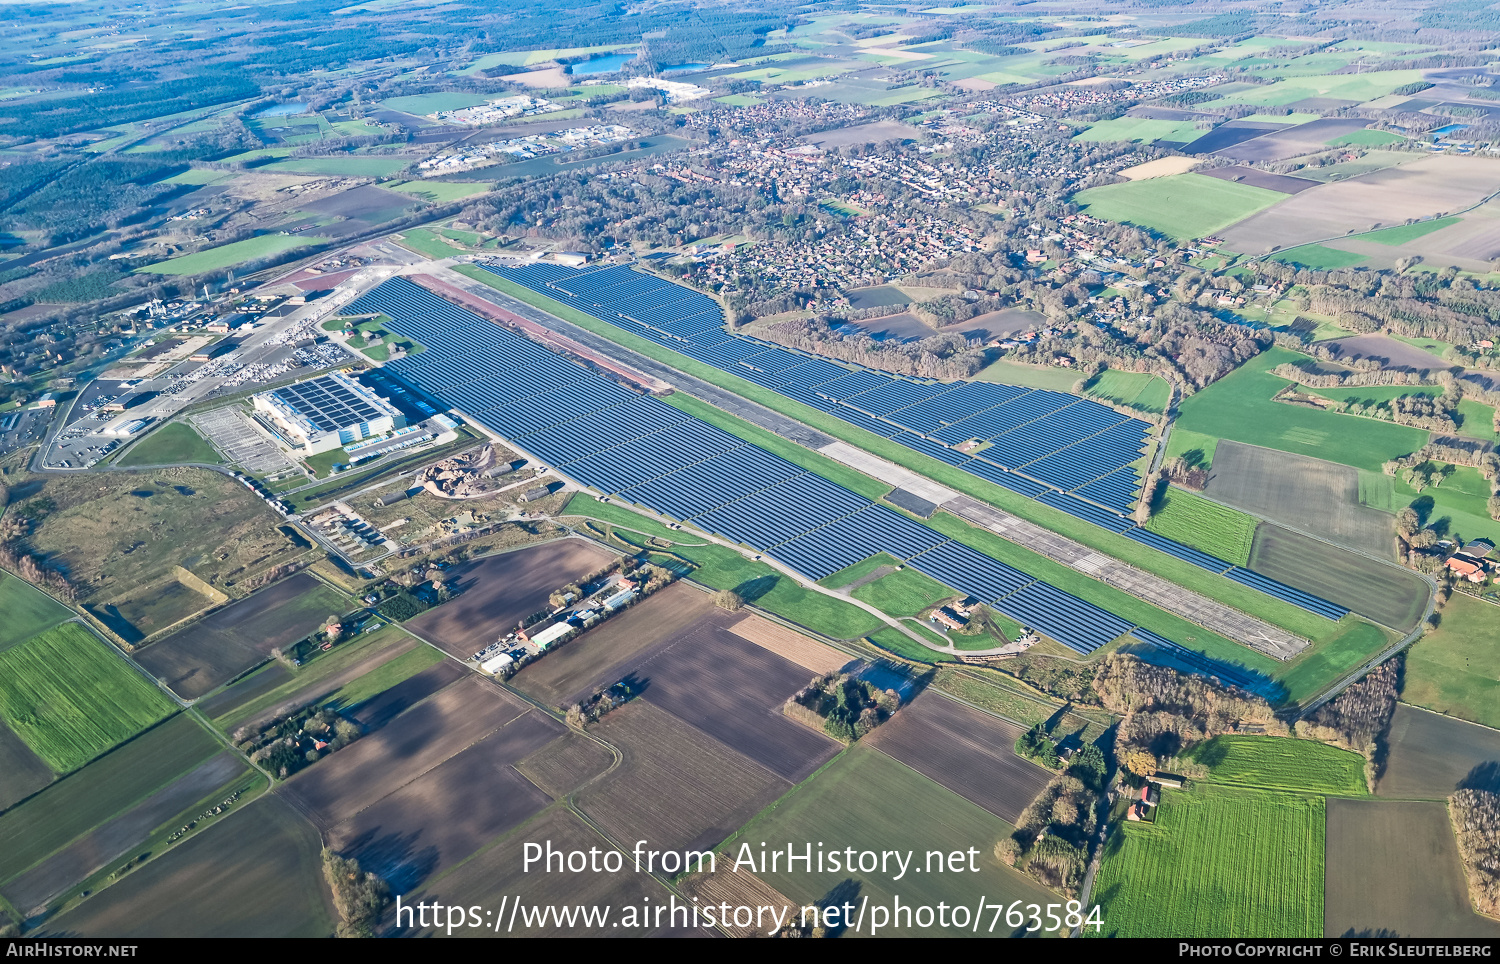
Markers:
{"x": 1071, "y": 443}
{"x": 643, "y": 450}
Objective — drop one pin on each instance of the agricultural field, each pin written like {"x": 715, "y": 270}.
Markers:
{"x": 1423, "y": 188}
{"x": 70, "y": 698}
{"x": 494, "y": 593}
{"x": 497, "y": 872}
{"x": 391, "y": 703}
{"x": 27, "y": 610}
{"x": 449, "y": 812}
{"x": 1452, "y": 669}
{"x": 118, "y": 533}
{"x": 677, "y": 787}
{"x": 115, "y": 838}
{"x": 1144, "y": 392}
{"x": 867, "y": 800}
{"x": 967, "y": 751}
{"x": 411, "y": 744}
{"x": 1281, "y": 763}
{"x": 565, "y": 764}
{"x": 1198, "y": 522}
{"x": 1351, "y": 644}
{"x": 1384, "y": 592}
{"x": 345, "y": 165}
{"x": 1319, "y": 257}
{"x": 1182, "y": 206}
{"x": 256, "y": 874}
{"x": 600, "y": 656}
{"x": 1240, "y": 407}
{"x": 227, "y": 255}
{"x": 1431, "y": 756}
{"x": 1393, "y": 868}
{"x": 438, "y": 192}
{"x": 196, "y": 660}
{"x": 1324, "y": 498}
{"x": 22, "y": 772}
{"x": 76, "y": 804}
{"x": 1141, "y": 131}
{"x": 421, "y": 104}
{"x": 1218, "y": 862}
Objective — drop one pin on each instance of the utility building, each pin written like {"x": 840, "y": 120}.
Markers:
{"x": 327, "y": 412}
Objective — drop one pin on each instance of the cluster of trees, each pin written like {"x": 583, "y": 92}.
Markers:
{"x": 17, "y": 557}
{"x": 604, "y": 700}
{"x": 940, "y": 356}
{"x": 1052, "y": 836}
{"x": 286, "y": 745}
{"x": 1476, "y": 821}
{"x": 845, "y": 706}
{"x": 359, "y": 896}
{"x": 1356, "y": 719}
{"x": 1185, "y": 472}
{"x": 1435, "y": 413}
{"x": 1166, "y": 711}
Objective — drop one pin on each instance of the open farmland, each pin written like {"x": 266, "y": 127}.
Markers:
{"x": 70, "y": 698}
{"x": 391, "y": 703}
{"x": 969, "y": 752}
{"x": 227, "y": 255}
{"x": 450, "y": 811}
{"x": 22, "y": 772}
{"x": 1218, "y": 862}
{"x": 255, "y": 874}
{"x": 408, "y": 746}
{"x": 1307, "y": 493}
{"x": 1393, "y": 868}
{"x": 1453, "y": 668}
{"x": 113, "y": 839}
{"x": 496, "y": 592}
{"x": 496, "y": 873}
{"x": 81, "y": 801}
{"x": 1198, "y": 522}
{"x": 677, "y": 787}
{"x": 1424, "y": 188}
{"x": 790, "y": 644}
{"x": 1431, "y": 756}
{"x": 869, "y": 801}
{"x": 1389, "y": 594}
{"x": 566, "y": 764}
{"x": 1281, "y": 763}
{"x": 905, "y": 592}
{"x": 733, "y": 690}
{"x": 1293, "y": 141}
{"x": 1183, "y": 206}
{"x": 194, "y": 660}
{"x": 1241, "y": 407}
{"x": 120, "y": 532}
{"x": 27, "y": 611}
{"x": 599, "y": 657}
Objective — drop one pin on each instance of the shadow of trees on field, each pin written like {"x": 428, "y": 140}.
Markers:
{"x": 1485, "y": 776}
{"x": 753, "y": 589}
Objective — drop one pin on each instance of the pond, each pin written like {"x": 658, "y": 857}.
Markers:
{"x": 607, "y": 64}
{"x": 283, "y": 110}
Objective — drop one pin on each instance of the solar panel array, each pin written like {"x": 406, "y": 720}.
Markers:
{"x": 1062, "y": 450}
{"x": 637, "y": 448}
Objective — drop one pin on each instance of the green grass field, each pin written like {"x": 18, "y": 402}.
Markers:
{"x": 1214, "y": 528}
{"x": 1182, "y": 206}
{"x": 1405, "y": 233}
{"x": 1367, "y": 139}
{"x": 1029, "y": 376}
{"x": 27, "y": 610}
{"x": 424, "y": 242}
{"x": 1281, "y": 763}
{"x": 177, "y": 442}
{"x": 227, "y": 255}
{"x": 1145, "y": 392}
{"x": 345, "y": 165}
{"x": 1453, "y": 669}
{"x": 858, "y": 571}
{"x": 71, "y": 698}
{"x": 1239, "y": 406}
{"x": 893, "y": 640}
{"x": 904, "y": 593}
{"x": 1356, "y": 641}
{"x": 868, "y": 801}
{"x": 1218, "y": 862}
{"x": 81, "y": 801}
{"x": 438, "y": 192}
{"x": 382, "y": 678}
{"x": 1318, "y": 257}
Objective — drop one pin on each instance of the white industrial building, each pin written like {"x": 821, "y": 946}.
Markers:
{"x": 327, "y": 412}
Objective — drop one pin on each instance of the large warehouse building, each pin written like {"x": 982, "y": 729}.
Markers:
{"x": 327, "y": 412}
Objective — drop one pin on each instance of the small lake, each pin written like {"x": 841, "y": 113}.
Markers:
{"x": 608, "y": 64}
{"x": 283, "y": 110}
{"x": 1451, "y": 128}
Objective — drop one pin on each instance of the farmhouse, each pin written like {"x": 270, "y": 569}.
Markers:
{"x": 944, "y": 618}
{"x": 325, "y": 413}
{"x": 1466, "y": 568}
{"x": 546, "y": 637}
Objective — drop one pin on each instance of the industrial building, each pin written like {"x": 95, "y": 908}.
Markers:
{"x": 327, "y": 412}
